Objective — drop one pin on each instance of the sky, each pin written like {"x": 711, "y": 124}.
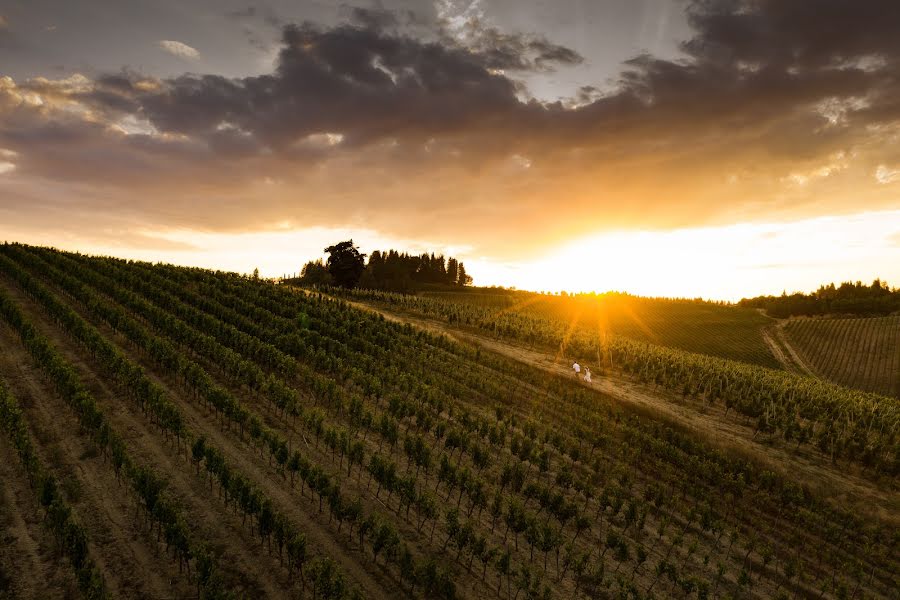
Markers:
{"x": 714, "y": 148}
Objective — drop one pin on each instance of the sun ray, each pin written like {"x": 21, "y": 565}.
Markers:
{"x": 568, "y": 335}
{"x": 533, "y": 299}
{"x": 604, "y": 359}
{"x": 633, "y": 316}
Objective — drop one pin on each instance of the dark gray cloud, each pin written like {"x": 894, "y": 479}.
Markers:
{"x": 750, "y": 64}
{"x": 518, "y": 52}
{"x": 266, "y": 15}
{"x": 380, "y": 18}
{"x": 354, "y": 80}
{"x": 9, "y": 40}
{"x": 793, "y": 33}
{"x": 242, "y": 13}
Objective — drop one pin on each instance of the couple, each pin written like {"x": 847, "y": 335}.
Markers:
{"x": 577, "y": 368}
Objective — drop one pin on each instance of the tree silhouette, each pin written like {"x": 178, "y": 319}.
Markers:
{"x": 463, "y": 278}
{"x": 345, "y": 263}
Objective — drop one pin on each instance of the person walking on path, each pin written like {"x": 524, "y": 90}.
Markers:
{"x": 577, "y": 368}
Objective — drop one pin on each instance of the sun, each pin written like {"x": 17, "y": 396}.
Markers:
{"x": 716, "y": 262}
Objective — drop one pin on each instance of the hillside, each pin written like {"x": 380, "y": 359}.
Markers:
{"x": 861, "y": 353}
{"x": 708, "y": 328}
{"x": 206, "y": 432}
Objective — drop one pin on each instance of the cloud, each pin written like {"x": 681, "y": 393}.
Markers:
{"x": 242, "y": 13}
{"x": 179, "y": 49}
{"x": 369, "y": 122}
{"x": 251, "y": 16}
{"x": 8, "y": 39}
{"x": 518, "y": 52}
{"x": 377, "y": 18}
{"x": 268, "y": 16}
{"x": 884, "y": 175}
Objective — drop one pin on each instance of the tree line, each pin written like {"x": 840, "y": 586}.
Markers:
{"x": 388, "y": 270}
{"x": 847, "y": 298}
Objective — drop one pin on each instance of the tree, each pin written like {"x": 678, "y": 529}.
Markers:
{"x": 315, "y": 273}
{"x": 345, "y": 264}
{"x": 463, "y": 278}
{"x": 452, "y": 271}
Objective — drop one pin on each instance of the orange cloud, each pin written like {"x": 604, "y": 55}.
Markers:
{"x": 364, "y": 124}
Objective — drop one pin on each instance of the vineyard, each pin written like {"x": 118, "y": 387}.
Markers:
{"x": 693, "y": 325}
{"x": 841, "y": 422}
{"x": 187, "y": 433}
{"x": 861, "y": 353}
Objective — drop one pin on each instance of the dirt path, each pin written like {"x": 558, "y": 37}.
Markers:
{"x": 776, "y": 349}
{"x": 782, "y": 349}
{"x": 795, "y": 356}
{"x": 843, "y": 483}
{"x": 799, "y": 363}
{"x": 29, "y": 567}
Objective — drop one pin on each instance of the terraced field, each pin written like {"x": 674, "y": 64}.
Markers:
{"x": 861, "y": 353}
{"x": 188, "y": 433}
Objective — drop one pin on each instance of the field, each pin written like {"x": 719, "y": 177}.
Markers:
{"x": 861, "y": 353}
{"x": 693, "y": 325}
{"x": 180, "y": 432}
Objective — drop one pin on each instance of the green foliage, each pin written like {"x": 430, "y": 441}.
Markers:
{"x": 345, "y": 264}
{"x": 388, "y": 270}
{"x": 848, "y": 298}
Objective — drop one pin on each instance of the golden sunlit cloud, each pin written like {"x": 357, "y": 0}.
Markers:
{"x": 179, "y": 49}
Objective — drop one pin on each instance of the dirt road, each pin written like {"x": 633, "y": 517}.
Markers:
{"x": 786, "y": 354}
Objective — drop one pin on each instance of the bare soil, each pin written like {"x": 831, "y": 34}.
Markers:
{"x": 119, "y": 543}
{"x": 30, "y": 566}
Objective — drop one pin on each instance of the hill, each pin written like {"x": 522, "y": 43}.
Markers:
{"x": 193, "y": 431}
{"x": 710, "y": 328}
{"x": 861, "y": 353}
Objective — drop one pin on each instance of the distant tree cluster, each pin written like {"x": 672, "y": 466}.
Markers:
{"x": 847, "y": 298}
{"x": 388, "y": 270}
